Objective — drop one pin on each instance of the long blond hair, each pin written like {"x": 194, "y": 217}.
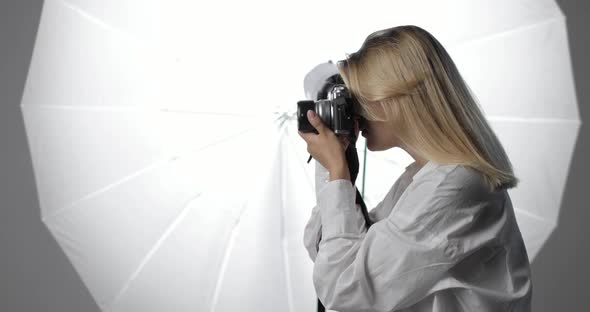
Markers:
{"x": 410, "y": 75}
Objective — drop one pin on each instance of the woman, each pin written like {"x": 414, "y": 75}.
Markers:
{"x": 445, "y": 237}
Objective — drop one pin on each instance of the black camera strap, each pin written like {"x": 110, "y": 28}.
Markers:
{"x": 353, "y": 167}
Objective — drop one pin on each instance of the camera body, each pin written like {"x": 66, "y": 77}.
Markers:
{"x": 336, "y": 107}
{"x": 336, "y": 112}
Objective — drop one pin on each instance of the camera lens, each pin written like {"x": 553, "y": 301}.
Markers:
{"x": 324, "y": 110}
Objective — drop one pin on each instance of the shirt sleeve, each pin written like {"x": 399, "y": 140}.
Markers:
{"x": 397, "y": 262}
{"x": 312, "y": 233}
{"x": 313, "y": 229}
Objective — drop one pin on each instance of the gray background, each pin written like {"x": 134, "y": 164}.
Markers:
{"x": 35, "y": 274}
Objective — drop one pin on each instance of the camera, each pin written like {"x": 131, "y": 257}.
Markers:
{"x": 333, "y": 103}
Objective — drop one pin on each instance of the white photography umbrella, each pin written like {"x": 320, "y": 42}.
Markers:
{"x": 166, "y": 153}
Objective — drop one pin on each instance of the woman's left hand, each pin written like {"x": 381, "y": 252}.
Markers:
{"x": 325, "y": 147}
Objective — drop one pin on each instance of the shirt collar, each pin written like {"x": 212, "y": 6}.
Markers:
{"x": 429, "y": 166}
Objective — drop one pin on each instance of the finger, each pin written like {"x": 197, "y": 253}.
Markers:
{"x": 344, "y": 141}
{"x": 302, "y": 135}
{"x": 345, "y": 145}
{"x": 315, "y": 121}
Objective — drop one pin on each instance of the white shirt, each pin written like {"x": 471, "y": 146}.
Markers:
{"x": 440, "y": 242}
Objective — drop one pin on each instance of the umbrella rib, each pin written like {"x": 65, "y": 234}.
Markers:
{"x": 310, "y": 183}
{"x": 284, "y": 243}
{"x": 160, "y": 51}
{"x": 228, "y": 250}
{"x": 532, "y": 216}
{"x": 111, "y": 108}
{"x": 506, "y": 32}
{"x": 137, "y": 108}
{"x": 188, "y": 111}
{"x": 533, "y": 119}
{"x": 93, "y": 18}
{"x": 212, "y": 144}
{"x": 69, "y": 207}
{"x": 154, "y": 248}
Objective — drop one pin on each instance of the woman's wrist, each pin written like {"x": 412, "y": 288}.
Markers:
{"x": 341, "y": 172}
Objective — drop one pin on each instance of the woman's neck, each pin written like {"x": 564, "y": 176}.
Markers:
{"x": 419, "y": 160}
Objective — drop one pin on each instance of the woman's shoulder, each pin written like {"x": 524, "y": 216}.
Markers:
{"x": 444, "y": 198}
{"x": 472, "y": 185}
{"x": 460, "y": 176}
{"x": 433, "y": 187}
{"x": 443, "y": 183}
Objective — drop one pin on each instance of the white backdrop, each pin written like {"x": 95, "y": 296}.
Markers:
{"x": 166, "y": 155}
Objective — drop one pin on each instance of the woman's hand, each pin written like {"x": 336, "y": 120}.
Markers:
{"x": 326, "y": 147}
{"x": 344, "y": 141}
